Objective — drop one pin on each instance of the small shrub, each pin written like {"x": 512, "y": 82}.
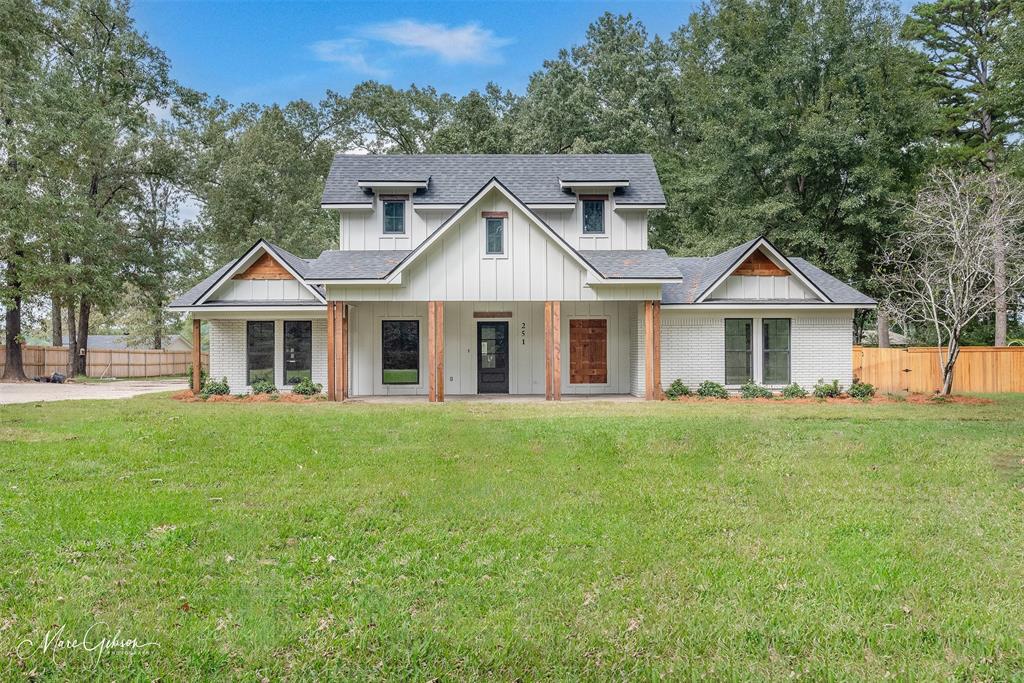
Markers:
{"x": 861, "y": 390}
{"x": 755, "y": 390}
{"x": 939, "y": 398}
{"x": 794, "y": 390}
{"x": 263, "y": 386}
{"x": 202, "y": 375}
{"x": 677, "y": 389}
{"x": 307, "y": 387}
{"x": 825, "y": 389}
{"x": 899, "y": 398}
{"x": 212, "y": 387}
{"x": 709, "y": 389}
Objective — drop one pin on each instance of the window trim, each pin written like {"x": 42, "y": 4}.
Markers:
{"x": 725, "y": 353}
{"x": 284, "y": 350}
{"x": 273, "y": 344}
{"x": 603, "y": 200}
{"x": 401, "y": 199}
{"x": 764, "y": 352}
{"x": 496, "y": 216}
{"x": 419, "y": 359}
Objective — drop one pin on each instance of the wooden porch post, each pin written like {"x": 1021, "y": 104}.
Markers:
{"x": 337, "y": 351}
{"x": 652, "y": 351}
{"x": 552, "y": 351}
{"x": 431, "y": 354}
{"x": 197, "y": 356}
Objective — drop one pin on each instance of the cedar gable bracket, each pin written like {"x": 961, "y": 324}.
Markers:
{"x": 758, "y": 263}
{"x": 266, "y": 267}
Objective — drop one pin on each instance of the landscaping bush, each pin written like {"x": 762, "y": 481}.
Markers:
{"x": 825, "y": 389}
{"x": 861, "y": 390}
{"x": 794, "y": 390}
{"x": 755, "y": 390}
{"x": 677, "y": 389}
{"x": 709, "y": 389}
{"x": 202, "y": 375}
{"x": 896, "y": 396}
{"x": 212, "y": 387}
{"x": 263, "y": 386}
{"x": 307, "y": 387}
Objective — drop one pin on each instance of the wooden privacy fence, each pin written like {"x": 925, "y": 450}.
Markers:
{"x": 982, "y": 369}
{"x": 45, "y": 360}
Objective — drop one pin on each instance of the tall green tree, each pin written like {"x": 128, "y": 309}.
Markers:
{"x": 806, "y": 123}
{"x": 975, "y": 48}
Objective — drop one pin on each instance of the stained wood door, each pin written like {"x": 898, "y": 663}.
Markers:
{"x": 588, "y": 351}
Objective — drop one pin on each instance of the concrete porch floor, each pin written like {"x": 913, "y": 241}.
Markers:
{"x": 497, "y": 398}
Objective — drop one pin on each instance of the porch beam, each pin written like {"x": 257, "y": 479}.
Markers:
{"x": 547, "y": 351}
{"x": 556, "y": 353}
{"x": 658, "y": 393}
{"x": 197, "y": 356}
{"x": 343, "y": 362}
{"x": 337, "y": 351}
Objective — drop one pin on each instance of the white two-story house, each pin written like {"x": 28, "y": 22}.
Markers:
{"x": 515, "y": 274}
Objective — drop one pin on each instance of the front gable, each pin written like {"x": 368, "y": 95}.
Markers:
{"x": 262, "y": 275}
{"x": 761, "y": 273}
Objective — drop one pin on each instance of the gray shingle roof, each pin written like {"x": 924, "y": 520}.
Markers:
{"x": 355, "y": 265}
{"x": 699, "y": 273}
{"x": 454, "y": 178}
{"x": 648, "y": 263}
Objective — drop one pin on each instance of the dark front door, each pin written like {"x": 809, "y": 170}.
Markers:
{"x": 492, "y": 358}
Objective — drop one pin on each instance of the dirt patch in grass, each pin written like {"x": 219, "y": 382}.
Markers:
{"x": 187, "y": 397}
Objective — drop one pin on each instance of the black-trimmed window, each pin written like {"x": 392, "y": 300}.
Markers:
{"x": 593, "y": 216}
{"x": 494, "y": 236}
{"x": 298, "y": 350}
{"x": 776, "y": 366}
{"x": 739, "y": 356}
{"x": 259, "y": 351}
{"x": 394, "y": 215}
{"x": 400, "y": 352}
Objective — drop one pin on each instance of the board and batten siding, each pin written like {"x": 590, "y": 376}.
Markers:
{"x": 534, "y": 268}
{"x": 693, "y": 345}
{"x": 262, "y": 290}
{"x": 763, "y": 287}
{"x": 526, "y": 345}
{"x": 228, "y": 353}
{"x": 361, "y": 230}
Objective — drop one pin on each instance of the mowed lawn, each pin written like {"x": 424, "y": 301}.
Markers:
{"x": 503, "y": 541}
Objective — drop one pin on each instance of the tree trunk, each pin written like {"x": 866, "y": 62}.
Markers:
{"x": 83, "y": 336}
{"x": 999, "y": 282}
{"x": 158, "y": 327}
{"x": 14, "y": 371}
{"x": 952, "y": 353}
{"x": 72, "y": 339}
{"x": 883, "y": 329}
{"x": 56, "y": 333}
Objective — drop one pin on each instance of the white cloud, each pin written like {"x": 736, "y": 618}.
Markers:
{"x": 348, "y": 52}
{"x": 455, "y": 45}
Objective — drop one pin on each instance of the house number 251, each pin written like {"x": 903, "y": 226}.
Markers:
{"x": 523, "y": 333}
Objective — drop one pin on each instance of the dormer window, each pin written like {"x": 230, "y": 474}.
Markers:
{"x": 593, "y": 215}
{"x": 394, "y": 214}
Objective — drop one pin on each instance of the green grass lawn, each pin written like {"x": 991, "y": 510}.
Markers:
{"x": 489, "y": 540}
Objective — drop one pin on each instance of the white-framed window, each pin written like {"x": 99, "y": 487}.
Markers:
{"x": 393, "y": 211}
{"x": 495, "y": 233}
{"x": 594, "y": 211}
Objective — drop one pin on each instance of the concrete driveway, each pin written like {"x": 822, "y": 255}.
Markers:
{"x": 33, "y": 392}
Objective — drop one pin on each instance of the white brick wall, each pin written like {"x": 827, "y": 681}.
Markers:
{"x": 693, "y": 345}
{"x": 227, "y": 353}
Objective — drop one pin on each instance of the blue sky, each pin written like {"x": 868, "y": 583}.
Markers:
{"x": 279, "y": 51}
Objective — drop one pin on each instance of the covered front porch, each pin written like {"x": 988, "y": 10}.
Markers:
{"x": 436, "y": 350}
